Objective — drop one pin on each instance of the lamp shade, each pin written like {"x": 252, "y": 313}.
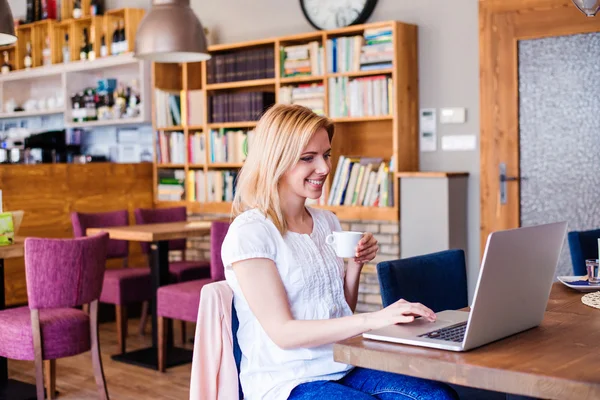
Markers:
{"x": 171, "y": 33}
{"x": 7, "y": 25}
{"x": 588, "y": 7}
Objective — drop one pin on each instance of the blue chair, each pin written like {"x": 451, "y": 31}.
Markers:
{"x": 437, "y": 280}
{"x": 583, "y": 245}
{"x": 237, "y": 352}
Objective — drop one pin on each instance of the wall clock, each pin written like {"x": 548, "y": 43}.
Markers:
{"x": 331, "y": 14}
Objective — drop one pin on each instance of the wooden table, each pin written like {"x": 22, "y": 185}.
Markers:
{"x": 560, "y": 359}
{"x": 11, "y": 388}
{"x": 159, "y": 235}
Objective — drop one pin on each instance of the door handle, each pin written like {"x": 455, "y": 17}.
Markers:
{"x": 503, "y": 180}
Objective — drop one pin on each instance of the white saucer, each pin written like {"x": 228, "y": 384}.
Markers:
{"x": 591, "y": 287}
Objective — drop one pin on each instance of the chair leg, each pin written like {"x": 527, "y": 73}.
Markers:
{"x": 162, "y": 344}
{"x": 96, "y": 358}
{"x": 37, "y": 349}
{"x": 50, "y": 378}
{"x": 144, "y": 317}
{"x": 183, "y": 332}
{"x": 121, "y": 319}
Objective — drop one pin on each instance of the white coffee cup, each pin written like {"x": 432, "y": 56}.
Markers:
{"x": 344, "y": 243}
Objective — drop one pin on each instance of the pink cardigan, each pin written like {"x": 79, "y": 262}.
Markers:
{"x": 214, "y": 373}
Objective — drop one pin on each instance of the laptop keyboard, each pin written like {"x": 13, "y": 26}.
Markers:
{"x": 453, "y": 333}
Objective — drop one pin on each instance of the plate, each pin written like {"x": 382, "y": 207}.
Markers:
{"x": 577, "y": 283}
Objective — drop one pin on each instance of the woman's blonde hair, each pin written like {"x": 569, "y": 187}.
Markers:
{"x": 281, "y": 135}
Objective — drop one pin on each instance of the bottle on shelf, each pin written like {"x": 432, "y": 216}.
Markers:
{"x": 27, "y": 60}
{"x": 123, "y": 45}
{"x": 114, "y": 47}
{"x": 66, "y": 53}
{"x": 103, "y": 48}
{"x": 46, "y": 53}
{"x": 91, "y": 52}
{"x": 6, "y": 66}
{"x": 96, "y": 7}
{"x": 77, "y": 12}
{"x": 83, "y": 53}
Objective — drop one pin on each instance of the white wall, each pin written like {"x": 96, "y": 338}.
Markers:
{"x": 448, "y": 64}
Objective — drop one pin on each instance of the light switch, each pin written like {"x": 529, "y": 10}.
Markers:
{"x": 459, "y": 142}
{"x": 453, "y": 115}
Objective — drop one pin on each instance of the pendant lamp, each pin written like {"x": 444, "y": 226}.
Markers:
{"x": 588, "y": 7}
{"x": 7, "y": 25}
{"x": 171, "y": 33}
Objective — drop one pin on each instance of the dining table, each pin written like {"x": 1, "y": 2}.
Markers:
{"x": 559, "y": 359}
{"x": 158, "y": 235}
{"x": 11, "y": 388}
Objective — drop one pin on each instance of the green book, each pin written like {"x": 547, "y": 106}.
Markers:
{"x": 7, "y": 229}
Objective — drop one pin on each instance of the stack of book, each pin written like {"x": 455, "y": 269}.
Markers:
{"x": 302, "y": 60}
{"x": 170, "y": 184}
{"x": 236, "y": 107}
{"x": 220, "y": 185}
{"x": 197, "y": 148}
{"x": 307, "y": 95}
{"x": 378, "y": 50}
{"x": 168, "y": 108}
{"x": 170, "y": 148}
{"x": 362, "y": 181}
{"x": 258, "y": 63}
{"x": 361, "y": 97}
{"x": 229, "y": 145}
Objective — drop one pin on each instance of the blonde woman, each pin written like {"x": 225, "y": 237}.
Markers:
{"x": 294, "y": 298}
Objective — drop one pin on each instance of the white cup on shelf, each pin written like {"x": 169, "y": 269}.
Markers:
{"x": 344, "y": 242}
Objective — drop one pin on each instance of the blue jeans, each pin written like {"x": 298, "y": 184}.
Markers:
{"x": 368, "y": 384}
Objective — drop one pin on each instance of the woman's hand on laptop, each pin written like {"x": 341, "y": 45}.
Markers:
{"x": 400, "y": 312}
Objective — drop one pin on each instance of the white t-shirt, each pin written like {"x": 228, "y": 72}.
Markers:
{"x": 313, "y": 278}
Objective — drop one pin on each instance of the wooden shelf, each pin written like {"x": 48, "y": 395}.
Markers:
{"x": 356, "y": 74}
{"x": 225, "y": 165}
{"x": 363, "y": 213}
{"x": 363, "y": 119}
{"x": 393, "y": 136}
{"x": 218, "y": 125}
{"x": 35, "y": 113}
{"x": 109, "y": 122}
{"x": 241, "y": 84}
{"x": 170, "y": 128}
{"x": 302, "y": 79}
{"x": 170, "y": 166}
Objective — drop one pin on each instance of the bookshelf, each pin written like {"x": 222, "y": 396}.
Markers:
{"x": 259, "y": 66}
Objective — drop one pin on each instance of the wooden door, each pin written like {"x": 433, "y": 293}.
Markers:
{"x": 502, "y": 23}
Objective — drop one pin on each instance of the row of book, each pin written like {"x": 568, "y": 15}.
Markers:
{"x": 302, "y": 60}
{"x": 168, "y": 106}
{"x": 230, "y": 145}
{"x": 307, "y": 95}
{"x": 211, "y": 186}
{"x": 371, "y": 51}
{"x": 171, "y": 185}
{"x": 170, "y": 147}
{"x": 258, "y": 63}
{"x": 361, "y": 97}
{"x": 362, "y": 181}
{"x": 237, "y": 107}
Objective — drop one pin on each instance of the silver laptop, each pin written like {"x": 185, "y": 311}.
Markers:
{"x": 511, "y": 295}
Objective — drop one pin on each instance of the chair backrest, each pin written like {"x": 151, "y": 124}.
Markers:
{"x": 158, "y": 215}
{"x": 237, "y": 352}
{"x": 82, "y": 221}
{"x": 218, "y": 231}
{"x": 64, "y": 273}
{"x": 583, "y": 245}
{"x": 437, "y": 280}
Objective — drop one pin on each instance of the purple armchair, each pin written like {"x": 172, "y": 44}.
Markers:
{"x": 61, "y": 274}
{"x": 180, "y": 271}
{"x": 121, "y": 286}
{"x": 180, "y": 301}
